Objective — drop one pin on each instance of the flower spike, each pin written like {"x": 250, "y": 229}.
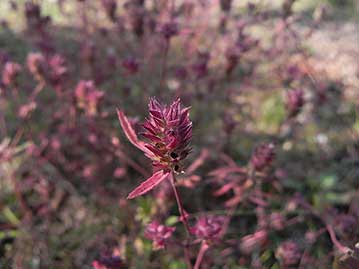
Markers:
{"x": 168, "y": 131}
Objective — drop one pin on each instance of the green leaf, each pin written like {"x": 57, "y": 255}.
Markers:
{"x": 177, "y": 265}
{"x": 10, "y": 216}
{"x": 328, "y": 181}
{"x": 171, "y": 220}
{"x": 272, "y": 113}
{"x": 339, "y": 198}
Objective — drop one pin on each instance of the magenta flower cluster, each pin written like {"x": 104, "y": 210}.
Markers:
{"x": 158, "y": 233}
{"x": 168, "y": 130}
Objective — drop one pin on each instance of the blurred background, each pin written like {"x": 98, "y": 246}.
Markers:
{"x": 274, "y": 93}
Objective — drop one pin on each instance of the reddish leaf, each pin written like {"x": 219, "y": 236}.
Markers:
{"x": 129, "y": 132}
{"x": 189, "y": 182}
{"x": 258, "y": 201}
{"x": 234, "y": 201}
{"x": 224, "y": 189}
{"x": 224, "y": 171}
{"x": 149, "y": 184}
{"x": 198, "y": 162}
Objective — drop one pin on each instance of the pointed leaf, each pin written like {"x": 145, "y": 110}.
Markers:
{"x": 129, "y": 131}
{"x": 149, "y": 184}
{"x": 224, "y": 189}
{"x": 151, "y": 137}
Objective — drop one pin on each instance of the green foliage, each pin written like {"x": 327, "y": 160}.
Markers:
{"x": 272, "y": 113}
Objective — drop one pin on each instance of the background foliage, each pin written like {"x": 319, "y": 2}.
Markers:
{"x": 66, "y": 168}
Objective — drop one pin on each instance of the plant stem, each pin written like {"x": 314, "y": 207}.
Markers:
{"x": 164, "y": 63}
{"x": 334, "y": 239}
{"x": 184, "y": 221}
{"x": 180, "y": 204}
{"x": 201, "y": 252}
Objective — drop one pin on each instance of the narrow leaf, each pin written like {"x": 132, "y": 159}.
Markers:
{"x": 129, "y": 132}
{"x": 149, "y": 184}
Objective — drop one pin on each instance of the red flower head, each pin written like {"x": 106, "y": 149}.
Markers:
{"x": 158, "y": 233}
{"x": 208, "y": 227}
{"x": 169, "y": 131}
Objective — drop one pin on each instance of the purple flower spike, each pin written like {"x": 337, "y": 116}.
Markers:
{"x": 168, "y": 130}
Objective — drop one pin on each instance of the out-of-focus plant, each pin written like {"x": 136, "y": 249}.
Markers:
{"x": 271, "y": 181}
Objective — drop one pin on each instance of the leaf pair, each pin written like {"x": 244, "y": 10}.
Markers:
{"x": 158, "y": 176}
